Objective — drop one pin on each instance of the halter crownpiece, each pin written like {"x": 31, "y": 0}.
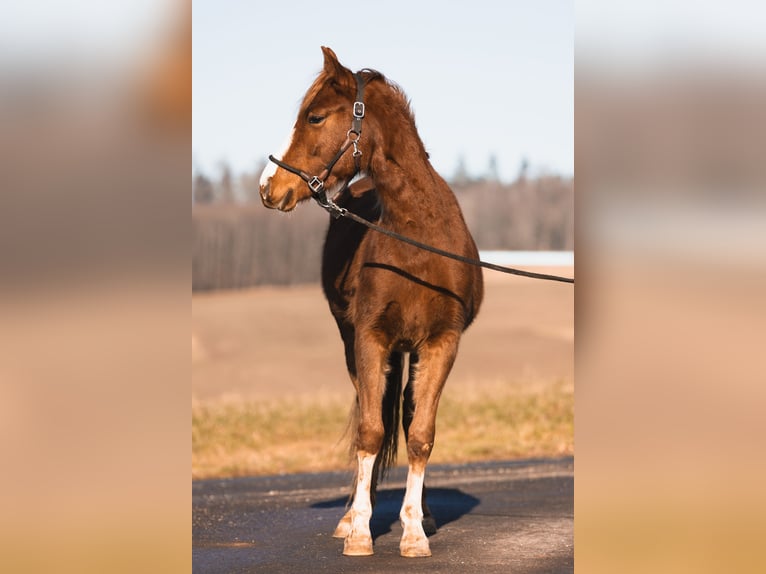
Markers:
{"x": 316, "y": 182}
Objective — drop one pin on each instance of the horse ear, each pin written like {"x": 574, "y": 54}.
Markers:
{"x": 334, "y": 69}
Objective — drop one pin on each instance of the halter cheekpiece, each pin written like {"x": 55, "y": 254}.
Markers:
{"x": 316, "y": 183}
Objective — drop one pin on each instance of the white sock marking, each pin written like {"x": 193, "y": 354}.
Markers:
{"x": 412, "y": 507}
{"x": 362, "y": 505}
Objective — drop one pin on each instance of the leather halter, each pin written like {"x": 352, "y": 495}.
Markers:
{"x": 316, "y": 183}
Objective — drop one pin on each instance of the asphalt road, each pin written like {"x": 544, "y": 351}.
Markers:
{"x": 492, "y": 517}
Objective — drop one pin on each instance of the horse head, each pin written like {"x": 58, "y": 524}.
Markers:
{"x": 321, "y": 140}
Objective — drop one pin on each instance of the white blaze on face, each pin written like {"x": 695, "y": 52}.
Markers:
{"x": 271, "y": 167}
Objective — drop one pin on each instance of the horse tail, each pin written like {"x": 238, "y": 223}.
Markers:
{"x": 392, "y": 405}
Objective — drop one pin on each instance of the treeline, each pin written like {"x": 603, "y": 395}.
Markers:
{"x": 238, "y": 243}
{"x": 241, "y": 245}
{"x": 527, "y": 215}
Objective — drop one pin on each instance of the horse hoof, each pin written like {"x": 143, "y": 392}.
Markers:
{"x": 415, "y": 549}
{"x": 357, "y": 547}
{"x": 344, "y": 528}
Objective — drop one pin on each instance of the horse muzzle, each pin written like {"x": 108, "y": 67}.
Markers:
{"x": 285, "y": 202}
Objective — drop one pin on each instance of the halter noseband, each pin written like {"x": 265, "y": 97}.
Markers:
{"x": 316, "y": 182}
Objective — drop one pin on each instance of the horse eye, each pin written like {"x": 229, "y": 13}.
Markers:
{"x": 316, "y": 119}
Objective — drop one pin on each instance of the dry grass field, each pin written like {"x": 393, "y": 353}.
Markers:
{"x": 270, "y": 393}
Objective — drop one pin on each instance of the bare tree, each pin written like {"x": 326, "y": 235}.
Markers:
{"x": 202, "y": 189}
{"x": 225, "y": 187}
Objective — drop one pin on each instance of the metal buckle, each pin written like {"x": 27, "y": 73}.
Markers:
{"x": 359, "y": 110}
{"x": 315, "y": 184}
{"x": 335, "y": 210}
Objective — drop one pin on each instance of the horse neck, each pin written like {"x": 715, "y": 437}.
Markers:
{"x": 405, "y": 181}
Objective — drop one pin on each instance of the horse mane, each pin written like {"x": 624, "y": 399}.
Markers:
{"x": 369, "y": 75}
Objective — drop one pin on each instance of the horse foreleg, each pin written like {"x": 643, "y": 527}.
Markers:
{"x": 414, "y": 542}
{"x": 359, "y": 538}
{"x": 371, "y": 384}
{"x": 435, "y": 361}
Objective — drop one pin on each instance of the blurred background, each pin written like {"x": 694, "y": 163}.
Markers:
{"x": 95, "y": 130}
{"x": 671, "y": 267}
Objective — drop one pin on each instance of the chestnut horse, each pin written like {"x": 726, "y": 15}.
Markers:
{"x": 395, "y": 304}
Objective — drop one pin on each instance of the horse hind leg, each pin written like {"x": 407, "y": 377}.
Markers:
{"x": 435, "y": 362}
{"x": 347, "y": 332}
{"x": 429, "y": 523}
{"x": 344, "y": 525}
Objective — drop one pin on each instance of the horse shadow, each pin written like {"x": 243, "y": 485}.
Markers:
{"x": 446, "y": 504}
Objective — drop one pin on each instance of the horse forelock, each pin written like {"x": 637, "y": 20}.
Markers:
{"x": 313, "y": 91}
{"x": 316, "y": 87}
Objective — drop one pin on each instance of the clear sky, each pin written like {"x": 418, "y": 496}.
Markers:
{"x": 484, "y": 77}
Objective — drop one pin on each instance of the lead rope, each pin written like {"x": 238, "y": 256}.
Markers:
{"x": 336, "y": 211}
